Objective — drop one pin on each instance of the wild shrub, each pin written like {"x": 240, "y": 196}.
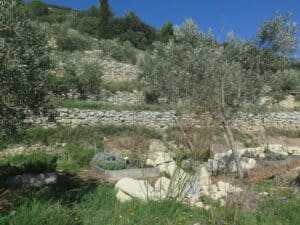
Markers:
{"x": 121, "y": 51}
{"x": 71, "y": 40}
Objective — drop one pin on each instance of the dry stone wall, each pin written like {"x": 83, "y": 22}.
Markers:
{"x": 282, "y": 120}
{"x": 75, "y": 117}
{"x": 157, "y": 120}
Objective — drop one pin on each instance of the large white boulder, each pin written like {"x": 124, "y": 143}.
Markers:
{"x": 168, "y": 168}
{"x": 161, "y": 187}
{"x": 122, "y": 197}
{"x": 246, "y": 163}
{"x": 252, "y": 152}
{"x": 135, "y": 188}
{"x": 203, "y": 178}
{"x": 161, "y": 158}
{"x": 222, "y": 189}
{"x": 277, "y": 149}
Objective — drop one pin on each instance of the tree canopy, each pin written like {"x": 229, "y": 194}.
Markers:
{"x": 24, "y": 62}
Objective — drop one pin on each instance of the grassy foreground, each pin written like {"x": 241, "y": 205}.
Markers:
{"x": 78, "y": 202}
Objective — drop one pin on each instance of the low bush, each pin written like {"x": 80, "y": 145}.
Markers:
{"x": 122, "y": 86}
{"x": 81, "y": 104}
{"x": 285, "y": 82}
{"x": 114, "y": 166}
{"x": 121, "y": 51}
{"x": 34, "y": 163}
{"x": 75, "y": 157}
{"x": 76, "y": 73}
{"x": 72, "y": 40}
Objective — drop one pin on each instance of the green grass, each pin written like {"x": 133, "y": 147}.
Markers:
{"x": 86, "y": 136}
{"x": 79, "y": 104}
{"x": 34, "y": 163}
{"x": 98, "y": 205}
{"x": 114, "y": 166}
{"x": 81, "y": 142}
{"x": 75, "y": 157}
{"x": 122, "y": 86}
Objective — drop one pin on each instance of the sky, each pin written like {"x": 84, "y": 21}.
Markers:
{"x": 243, "y": 17}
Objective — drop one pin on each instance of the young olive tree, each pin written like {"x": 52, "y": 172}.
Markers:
{"x": 194, "y": 66}
{"x": 278, "y": 35}
{"x": 24, "y": 63}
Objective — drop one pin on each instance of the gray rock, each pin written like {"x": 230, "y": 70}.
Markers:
{"x": 32, "y": 180}
{"x": 103, "y": 158}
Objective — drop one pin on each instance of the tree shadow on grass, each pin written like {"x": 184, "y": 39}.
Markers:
{"x": 69, "y": 189}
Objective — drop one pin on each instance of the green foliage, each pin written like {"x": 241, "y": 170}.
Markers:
{"x": 76, "y": 72}
{"x": 286, "y": 82}
{"x": 279, "y": 35}
{"x": 105, "y": 20}
{"x": 121, "y": 51}
{"x": 132, "y": 29}
{"x": 75, "y": 157}
{"x": 34, "y": 163}
{"x": 82, "y": 75}
{"x": 194, "y": 66}
{"x": 100, "y": 206}
{"x": 37, "y": 8}
{"x": 88, "y": 25}
{"x": 24, "y": 63}
{"x": 37, "y": 212}
{"x": 72, "y": 40}
{"x": 81, "y": 104}
{"x": 122, "y": 86}
{"x": 114, "y": 166}
{"x": 166, "y": 32}
{"x": 89, "y": 137}
{"x": 266, "y": 185}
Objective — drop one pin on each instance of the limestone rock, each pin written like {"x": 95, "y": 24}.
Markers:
{"x": 161, "y": 158}
{"x": 277, "y": 149}
{"x": 168, "y": 168}
{"x": 293, "y": 151}
{"x": 222, "y": 189}
{"x": 161, "y": 187}
{"x": 122, "y": 197}
{"x": 203, "y": 178}
{"x": 246, "y": 163}
{"x": 150, "y": 162}
{"x": 135, "y": 188}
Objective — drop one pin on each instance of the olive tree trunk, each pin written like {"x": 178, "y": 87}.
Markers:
{"x": 233, "y": 147}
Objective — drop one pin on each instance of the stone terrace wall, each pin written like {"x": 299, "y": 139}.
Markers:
{"x": 74, "y": 117}
{"x": 158, "y": 120}
{"x": 282, "y": 120}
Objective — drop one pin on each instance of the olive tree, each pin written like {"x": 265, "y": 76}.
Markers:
{"x": 278, "y": 35}
{"x": 24, "y": 63}
{"x": 195, "y": 67}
